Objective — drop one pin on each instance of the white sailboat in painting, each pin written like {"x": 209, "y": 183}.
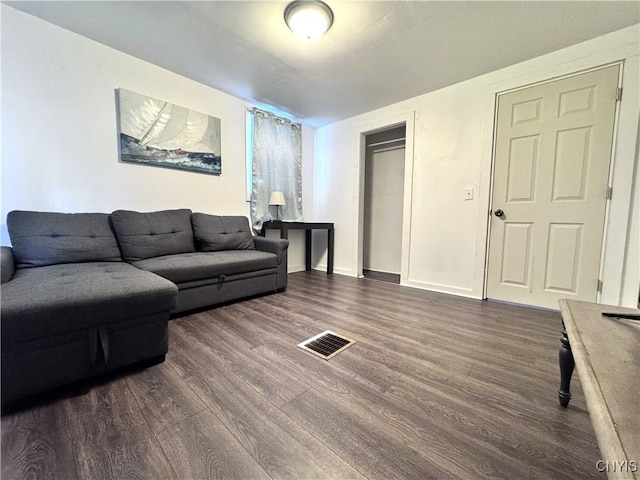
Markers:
{"x": 160, "y": 133}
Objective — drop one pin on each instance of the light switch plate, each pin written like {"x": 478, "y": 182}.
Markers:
{"x": 468, "y": 193}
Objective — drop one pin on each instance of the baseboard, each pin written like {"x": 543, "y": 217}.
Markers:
{"x": 460, "y": 292}
{"x": 340, "y": 271}
{"x": 371, "y": 269}
{"x": 296, "y": 268}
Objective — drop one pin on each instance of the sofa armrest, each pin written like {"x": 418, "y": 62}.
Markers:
{"x": 7, "y": 266}
{"x": 279, "y": 247}
{"x": 272, "y": 245}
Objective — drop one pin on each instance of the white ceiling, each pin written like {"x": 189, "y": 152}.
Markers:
{"x": 375, "y": 54}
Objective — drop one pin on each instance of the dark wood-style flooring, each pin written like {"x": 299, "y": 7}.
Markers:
{"x": 435, "y": 387}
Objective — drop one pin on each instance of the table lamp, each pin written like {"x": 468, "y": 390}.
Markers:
{"x": 277, "y": 199}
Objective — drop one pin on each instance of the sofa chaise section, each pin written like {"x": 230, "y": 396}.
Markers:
{"x": 71, "y": 308}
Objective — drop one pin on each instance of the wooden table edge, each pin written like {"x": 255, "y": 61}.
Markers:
{"x": 605, "y": 428}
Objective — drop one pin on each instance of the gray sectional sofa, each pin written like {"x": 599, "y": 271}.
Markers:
{"x": 86, "y": 293}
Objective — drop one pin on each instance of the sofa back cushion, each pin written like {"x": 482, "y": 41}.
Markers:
{"x": 48, "y": 238}
{"x": 153, "y": 234}
{"x": 217, "y": 232}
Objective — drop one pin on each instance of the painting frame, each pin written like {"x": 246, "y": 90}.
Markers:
{"x": 158, "y": 133}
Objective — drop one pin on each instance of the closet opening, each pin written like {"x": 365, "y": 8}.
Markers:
{"x": 384, "y": 178}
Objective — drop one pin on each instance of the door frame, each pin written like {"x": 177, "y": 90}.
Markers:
{"x": 406, "y": 119}
{"x": 616, "y": 121}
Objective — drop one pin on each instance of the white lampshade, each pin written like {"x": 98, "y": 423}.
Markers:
{"x": 277, "y": 198}
{"x": 308, "y": 19}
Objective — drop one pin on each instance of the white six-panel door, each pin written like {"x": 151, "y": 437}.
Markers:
{"x": 552, "y": 156}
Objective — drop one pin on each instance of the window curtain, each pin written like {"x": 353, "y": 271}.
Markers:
{"x": 276, "y": 167}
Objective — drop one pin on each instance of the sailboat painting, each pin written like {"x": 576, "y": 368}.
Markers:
{"x": 155, "y": 132}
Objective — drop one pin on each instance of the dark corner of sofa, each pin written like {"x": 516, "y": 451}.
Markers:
{"x": 7, "y": 265}
{"x": 280, "y": 248}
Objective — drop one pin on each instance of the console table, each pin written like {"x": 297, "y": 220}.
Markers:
{"x": 308, "y": 227}
{"x": 606, "y": 352}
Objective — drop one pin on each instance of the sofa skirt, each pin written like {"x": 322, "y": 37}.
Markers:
{"x": 32, "y": 367}
{"x": 194, "y": 295}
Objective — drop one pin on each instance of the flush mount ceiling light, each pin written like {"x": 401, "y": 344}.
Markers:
{"x": 308, "y": 19}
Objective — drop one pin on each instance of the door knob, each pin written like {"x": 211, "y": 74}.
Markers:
{"x": 499, "y": 213}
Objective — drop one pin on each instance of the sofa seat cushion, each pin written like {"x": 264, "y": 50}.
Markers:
{"x": 49, "y": 238}
{"x": 188, "y": 267}
{"x": 56, "y": 299}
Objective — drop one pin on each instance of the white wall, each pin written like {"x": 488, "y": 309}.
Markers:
{"x": 59, "y": 133}
{"x": 452, "y": 141}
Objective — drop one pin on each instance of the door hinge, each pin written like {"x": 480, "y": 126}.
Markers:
{"x": 599, "y": 286}
{"x": 618, "y": 94}
{"x": 609, "y": 193}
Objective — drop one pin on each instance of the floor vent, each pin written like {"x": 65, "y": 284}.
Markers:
{"x": 326, "y": 344}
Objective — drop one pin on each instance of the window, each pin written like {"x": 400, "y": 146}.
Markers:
{"x": 274, "y": 163}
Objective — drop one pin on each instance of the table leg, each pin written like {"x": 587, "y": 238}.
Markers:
{"x": 308, "y": 242}
{"x": 330, "y": 251}
{"x": 567, "y": 365}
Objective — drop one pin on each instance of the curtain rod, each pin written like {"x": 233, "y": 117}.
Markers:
{"x": 388, "y": 149}
{"x": 262, "y": 111}
{"x": 387, "y": 142}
